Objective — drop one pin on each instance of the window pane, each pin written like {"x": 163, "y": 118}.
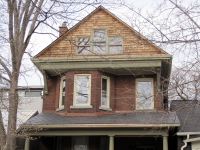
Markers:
{"x": 115, "y": 49}
{"x": 104, "y": 92}
{"x": 116, "y": 40}
{"x": 99, "y": 35}
{"x": 144, "y": 97}
{"x": 82, "y": 89}
{"x": 84, "y": 50}
{"x": 82, "y": 41}
{"x": 63, "y": 91}
{"x": 99, "y": 48}
{"x": 32, "y": 93}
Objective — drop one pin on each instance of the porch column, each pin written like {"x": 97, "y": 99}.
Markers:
{"x": 27, "y": 143}
{"x": 165, "y": 142}
{"x": 111, "y": 142}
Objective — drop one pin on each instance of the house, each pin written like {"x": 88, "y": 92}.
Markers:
{"x": 30, "y": 104}
{"x": 104, "y": 89}
{"x": 188, "y": 133}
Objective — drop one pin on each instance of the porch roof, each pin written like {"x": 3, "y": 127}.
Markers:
{"x": 135, "y": 119}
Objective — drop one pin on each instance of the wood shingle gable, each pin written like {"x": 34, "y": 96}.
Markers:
{"x": 133, "y": 42}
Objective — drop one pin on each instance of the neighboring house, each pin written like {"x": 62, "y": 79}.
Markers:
{"x": 30, "y": 103}
{"x": 188, "y": 133}
{"x": 104, "y": 89}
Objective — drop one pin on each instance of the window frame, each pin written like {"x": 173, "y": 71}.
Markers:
{"x": 152, "y": 92}
{"x": 29, "y": 91}
{"x": 97, "y": 41}
{"x": 60, "y": 93}
{"x": 114, "y": 44}
{"x": 89, "y": 92}
{"x": 93, "y": 41}
{"x": 89, "y": 45}
{"x": 107, "y": 106}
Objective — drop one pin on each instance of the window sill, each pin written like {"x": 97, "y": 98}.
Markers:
{"x": 60, "y": 108}
{"x": 105, "y": 108}
{"x": 147, "y": 110}
{"x": 80, "y": 107}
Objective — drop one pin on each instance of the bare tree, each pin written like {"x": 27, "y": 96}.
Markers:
{"x": 174, "y": 26}
{"x": 20, "y": 19}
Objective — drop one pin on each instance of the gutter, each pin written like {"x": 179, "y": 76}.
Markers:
{"x": 188, "y": 137}
{"x": 58, "y": 126}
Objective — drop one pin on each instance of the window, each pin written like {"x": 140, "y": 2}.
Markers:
{"x": 83, "y": 44}
{"x": 34, "y": 93}
{"x": 62, "y": 92}
{"x": 82, "y": 91}
{"x": 115, "y": 44}
{"x": 144, "y": 94}
{"x": 105, "y": 92}
{"x": 99, "y": 43}
{"x": 80, "y": 143}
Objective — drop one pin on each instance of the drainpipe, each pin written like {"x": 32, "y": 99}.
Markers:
{"x": 185, "y": 141}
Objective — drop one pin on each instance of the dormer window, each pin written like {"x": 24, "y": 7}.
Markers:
{"x": 99, "y": 43}
{"x": 144, "y": 94}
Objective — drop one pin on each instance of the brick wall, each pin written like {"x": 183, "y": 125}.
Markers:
{"x": 122, "y": 94}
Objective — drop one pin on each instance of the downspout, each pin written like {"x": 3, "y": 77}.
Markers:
{"x": 185, "y": 141}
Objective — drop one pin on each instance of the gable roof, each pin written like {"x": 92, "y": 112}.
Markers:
{"x": 84, "y": 19}
{"x": 188, "y": 112}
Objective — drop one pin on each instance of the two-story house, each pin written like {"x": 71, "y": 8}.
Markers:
{"x": 105, "y": 88}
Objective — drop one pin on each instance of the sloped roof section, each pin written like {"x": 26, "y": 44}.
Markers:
{"x": 145, "y": 118}
{"x": 141, "y": 45}
{"x": 188, "y": 112}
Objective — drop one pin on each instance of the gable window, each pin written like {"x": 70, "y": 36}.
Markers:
{"x": 83, "y": 45}
{"x": 99, "y": 43}
{"x": 62, "y": 92}
{"x": 82, "y": 90}
{"x": 144, "y": 94}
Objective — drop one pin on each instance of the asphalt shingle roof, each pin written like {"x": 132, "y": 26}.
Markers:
{"x": 188, "y": 113}
{"x": 117, "y": 118}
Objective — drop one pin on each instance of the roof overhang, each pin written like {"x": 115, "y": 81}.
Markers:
{"x": 118, "y": 65}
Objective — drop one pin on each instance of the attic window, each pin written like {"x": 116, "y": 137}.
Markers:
{"x": 99, "y": 43}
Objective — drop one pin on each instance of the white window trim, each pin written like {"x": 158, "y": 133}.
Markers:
{"x": 114, "y": 44}
{"x": 60, "y": 106}
{"x": 106, "y": 107}
{"x": 89, "y": 93}
{"x": 152, "y": 92}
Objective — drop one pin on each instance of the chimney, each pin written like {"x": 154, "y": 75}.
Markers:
{"x": 63, "y": 28}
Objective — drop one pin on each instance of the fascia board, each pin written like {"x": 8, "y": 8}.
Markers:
{"x": 187, "y": 133}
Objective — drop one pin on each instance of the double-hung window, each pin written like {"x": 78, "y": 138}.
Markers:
{"x": 144, "y": 94}
{"x": 83, "y": 45}
{"x": 105, "y": 93}
{"x": 62, "y": 92}
{"x": 115, "y": 44}
{"x": 82, "y": 90}
{"x": 99, "y": 41}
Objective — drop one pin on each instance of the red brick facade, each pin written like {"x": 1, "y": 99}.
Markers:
{"x": 122, "y": 94}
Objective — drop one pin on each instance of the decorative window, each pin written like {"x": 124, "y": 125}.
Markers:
{"x": 144, "y": 94}
{"x": 80, "y": 143}
{"x": 99, "y": 43}
{"x": 62, "y": 92}
{"x": 105, "y": 93}
{"x": 82, "y": 90}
